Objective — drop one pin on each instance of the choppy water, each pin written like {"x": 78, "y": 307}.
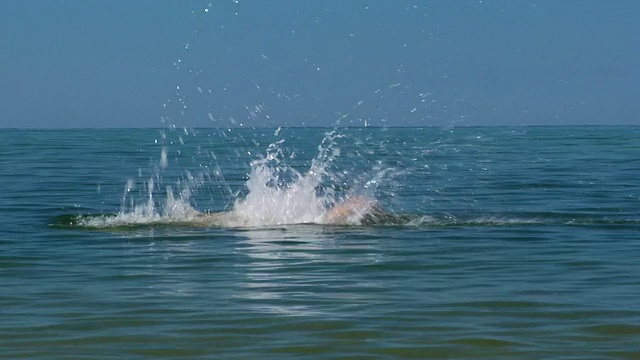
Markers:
{"x": 518, "y": 243}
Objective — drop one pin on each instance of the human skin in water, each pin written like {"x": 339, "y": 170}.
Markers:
{"x": 351, "y": 210}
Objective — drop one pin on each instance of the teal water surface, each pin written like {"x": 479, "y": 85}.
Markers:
{"x": 519, "y": 243}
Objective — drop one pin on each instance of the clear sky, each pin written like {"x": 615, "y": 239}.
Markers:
{"x": 153, "y": 63}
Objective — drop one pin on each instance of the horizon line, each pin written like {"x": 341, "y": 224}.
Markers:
{"x": 318, "y": 127}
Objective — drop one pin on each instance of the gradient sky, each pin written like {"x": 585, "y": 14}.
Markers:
{"x": 150, "y": 63}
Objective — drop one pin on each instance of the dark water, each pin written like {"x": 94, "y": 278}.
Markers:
{"x": 524, "y": 244}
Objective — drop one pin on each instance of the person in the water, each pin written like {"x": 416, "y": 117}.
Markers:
{"x": 358, "y": 210}
{"x": 354, "y": 210}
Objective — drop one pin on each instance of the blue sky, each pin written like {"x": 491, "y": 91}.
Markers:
{"x": 149, "y": 63}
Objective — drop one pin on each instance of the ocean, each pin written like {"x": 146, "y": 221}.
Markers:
{"x": 498, "y": 242}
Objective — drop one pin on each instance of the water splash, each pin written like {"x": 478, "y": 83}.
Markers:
{"x": 170, "y": 210}
{"x": 279, "y": 194}
{"x": 276, "y": 194}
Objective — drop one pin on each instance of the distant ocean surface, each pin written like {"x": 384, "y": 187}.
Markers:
{"x": 510, "y": 243}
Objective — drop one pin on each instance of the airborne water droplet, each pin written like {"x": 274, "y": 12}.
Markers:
{"x": 163, "y": 158}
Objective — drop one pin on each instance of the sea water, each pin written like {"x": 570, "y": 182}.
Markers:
{"x": 505, "y": 243}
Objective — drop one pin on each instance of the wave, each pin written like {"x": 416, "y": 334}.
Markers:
{"x": 233, "y": 219}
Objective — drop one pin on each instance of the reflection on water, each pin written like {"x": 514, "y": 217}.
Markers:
{"x": 292, "y": 270}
